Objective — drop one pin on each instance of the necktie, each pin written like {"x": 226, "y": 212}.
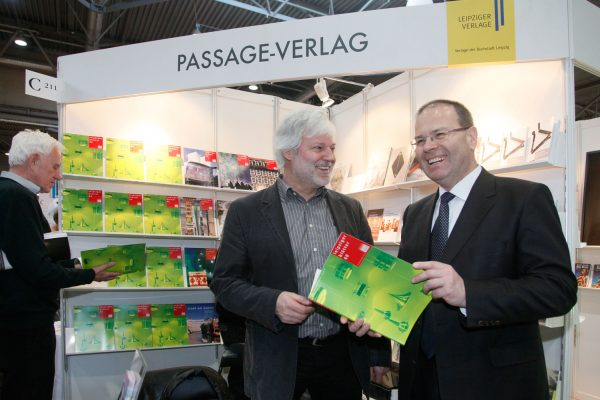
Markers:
{"x": 439, "y": 237}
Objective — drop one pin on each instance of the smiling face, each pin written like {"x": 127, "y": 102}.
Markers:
{"x": 449, "y": 161}
{"x": 44, "y": 169}
{"x": 309, "y": 167}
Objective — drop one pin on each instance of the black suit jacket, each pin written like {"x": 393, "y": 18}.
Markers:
{"x": 508, "y": 247}
{"x": 255, "y": 264}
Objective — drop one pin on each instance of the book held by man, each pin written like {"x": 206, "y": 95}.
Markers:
{"x": 128, "y": 258}
{"x": 360, "y": 281}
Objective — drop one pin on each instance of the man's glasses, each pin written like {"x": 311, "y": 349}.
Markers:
{"x": 438, "y": 137}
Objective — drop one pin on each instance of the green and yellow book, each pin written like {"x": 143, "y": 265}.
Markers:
{"x": 165, "y": 267}
{"x": 163, "y": 163}
{"x": 128, "y": 258}
{"x": 169, "y": 325}
{"x": 360, "y": 281}
{"x": 82, "y": 210}
{"x": 93, "y": 328}
{"x": 124, "y": 159}
{"x": 83, "y": 154}
{"x": 130, "y": 280}
{"x": 161, "y": 215}
{"x": 123, "y": 212}
{"x": 133, "y": 326}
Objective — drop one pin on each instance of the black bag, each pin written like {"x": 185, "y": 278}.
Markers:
{"x": 184, "y": 383}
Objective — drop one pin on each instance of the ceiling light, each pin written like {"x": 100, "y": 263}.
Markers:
{"x": 253, "y": 87}
{"x": 20, "y": 39}
{"x": 322, "y": 93}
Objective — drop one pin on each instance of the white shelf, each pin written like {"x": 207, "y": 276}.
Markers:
{"x": 139, "y": 235}
{"x": 188, "y": 346}
{"x": 387, "y": 244}
{"x": 554, "y": 322}
{"x": 588, "y": 288}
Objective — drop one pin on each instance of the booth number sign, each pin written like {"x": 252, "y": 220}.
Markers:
{"x": 40, "y": 85}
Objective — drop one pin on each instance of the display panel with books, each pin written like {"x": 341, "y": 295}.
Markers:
{"x": 132, "y": 326}
{"x": 82, "y": 210}
{"x": 161, "y": 215}
{"x": 163, "y": 163}
{"x": 123, "y": 212}
{"x": 125, "y": 159}
{"x": 165, "y": 266}
{"x": 169, "y": 325}
{"x": 93, "y": 328}
{"x": 83, "y": 155}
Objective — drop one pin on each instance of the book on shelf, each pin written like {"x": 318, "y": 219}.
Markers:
{"x": 414, "y": 171}
{"x": 161, "y": 215}
{"x": 338, "y": 177}
{"x": 128, "y": 258}
{"x": 199, "y": 265}
{"x": 397, "y": 166}
{"x": 263, "y": 173}
{"x": 82, "y": 210}
{"x": 136, "y": 279}
{"x": 83, "y": 155}
{"x": 197, "y": 216}
{"x": 93, "y": 328}
{"x": 375, "y": 219}
{"x": 377, "y": 168}
{"x": 360, "y": 281}
{"x": 125, "y": 159}
{"x": 165, "y": 266}
{"x": 234, "y": 171}
{"x": 132, "y": 326}
{"x": 200, "y": 167}
{"x": 221, "y": 213}
{"x": 123, "y": 212}
{"x": 390, "y": 227}
{"x": 582, "y": 273}
{"x": 163, "y": 163}
{"x": 169, "y": 325}
{"x": 595, "y": 277}
{"x": 202, "y": 323}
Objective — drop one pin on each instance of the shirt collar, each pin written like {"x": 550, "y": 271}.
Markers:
{"x": 286, "y": 191}
{"x": 35, "y": 189}
{"x": 464, "y": 186}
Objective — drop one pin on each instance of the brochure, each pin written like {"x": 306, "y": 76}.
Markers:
{"x": 129, "y": 258}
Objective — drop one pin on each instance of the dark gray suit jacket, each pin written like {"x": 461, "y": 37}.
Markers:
{"x": 508, "y": 247}
{"x": 255, "y": 264}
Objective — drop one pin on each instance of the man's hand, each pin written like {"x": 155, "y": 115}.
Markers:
{"x": 359, "y": 327}
{"x": 291, "y": 308}
{"x": 442, "y": 281}
{"x": 102, "y": 275}
{"x": 377, "y": 374}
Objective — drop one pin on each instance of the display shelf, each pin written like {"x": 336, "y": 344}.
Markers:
{"x": 589, "y": 288}
{"x": 189, "y": 346}
{"x": 139, "y": 235}
{"x": 386, "y": 243}
{"x": 554, "y": 322}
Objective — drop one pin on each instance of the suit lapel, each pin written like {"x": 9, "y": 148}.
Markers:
{"x": 423, "y": 231}
{"x": 481, "y": 199}
{"x": 272, "y": 211}
{"x": 339, "y": 218}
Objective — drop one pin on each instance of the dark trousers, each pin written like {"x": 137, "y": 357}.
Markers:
{"x": 27, "y": 364}
{"x": 325, "y": 369}
{"x": 426, "y": 386}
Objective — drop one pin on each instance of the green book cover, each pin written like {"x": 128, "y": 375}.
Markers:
{"x": 93, "y": 328}
{"x": 129, "y": 258}
{"x": 83, "y": 154}
{"x": 133, "y": 326}
{"x": 165, "y": 267}
{"x": 130, "y": 280}
{"x": 169, "y": 325}
{"x": 82, "y": 210}
{"x": 124, "y": 159}
{"x": 161, "y": 215}
{"x": 163, "y": 163}
{"x": 123, "y": 212}
{"x": 360, "y": 281}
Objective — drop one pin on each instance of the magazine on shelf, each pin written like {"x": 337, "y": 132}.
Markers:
{"x": 82, "y": 210}
{"x": 200, "y": 167}
{"x": 123, "y": 212}
{"x": 136, "y": 279}
{"x": 169, "y": 325}
{"x": 128, "y": 258}
{"x": 414, "y": 171}
{"x": 93, "y": 328}
{"x": 397, "y": 165}
{"x": 377, "y": 168}
{"x": 199, "y": 265}
{"x": 595, "y": 277}
{"x": 582, "y": 273}
{"x": 163, "y": 163}
{"x": 161, "y": 215}
{"x": 197, "y": 216}
{"x": 360, "y": 281}
{"x": 263, "y": 173}
{"x": 234, "y": 171}
{"x": 132, "y": 326}
{"x": 125, "y": 159}
{"x": 375, "y": 219}
{"x": 338, "y": 177}
{"x": 390, "y": 227}
{"x": 221, "y": 213}
{"x": 83, "y": 155}
{"x": 165, "y": 266}
{"x": 202, "y": 323}
{"x": 134, "y": 377}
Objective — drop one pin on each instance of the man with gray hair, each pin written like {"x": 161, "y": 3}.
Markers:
{"x": 273, "y": 241}
{"x": 29, "y": 279}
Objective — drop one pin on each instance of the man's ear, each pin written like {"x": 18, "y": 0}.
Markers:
{"x": 287, "y": 154}
{"x": 33, "y": 159}
{"x": 472, "y": 137}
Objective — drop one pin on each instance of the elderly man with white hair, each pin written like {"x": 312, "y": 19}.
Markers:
{"x": 29, "y": 279}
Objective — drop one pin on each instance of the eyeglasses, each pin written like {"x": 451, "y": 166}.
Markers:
{"x": 438, "y": 137}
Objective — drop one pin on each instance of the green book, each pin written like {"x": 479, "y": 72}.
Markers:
{"x": 169, "y": 325}
{"x": 93, "y": 328}
{"x": 161, "y": 215}
{"x": 83, "y": 154}
{"x": 124, "y": 159}
{"x": 165, "y": 267}
{"x": 130, "y": 280}
{"x": 123, "y": 212}
{"x": 129, "y": 258}
{"x": 163, "y": 163}
{"x": 360, "y": 281}
{"x": 82, "y": 210}
{"x": 133, "y": 326}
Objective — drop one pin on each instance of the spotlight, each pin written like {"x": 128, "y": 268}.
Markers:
{"x": 20, "y": 39}
{"x": 253, "y": 87}
{"x": 321, "y": 90}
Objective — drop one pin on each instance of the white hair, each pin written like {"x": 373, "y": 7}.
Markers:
{"x": 300, "y": 124}
{"x": 28, "y": 142}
